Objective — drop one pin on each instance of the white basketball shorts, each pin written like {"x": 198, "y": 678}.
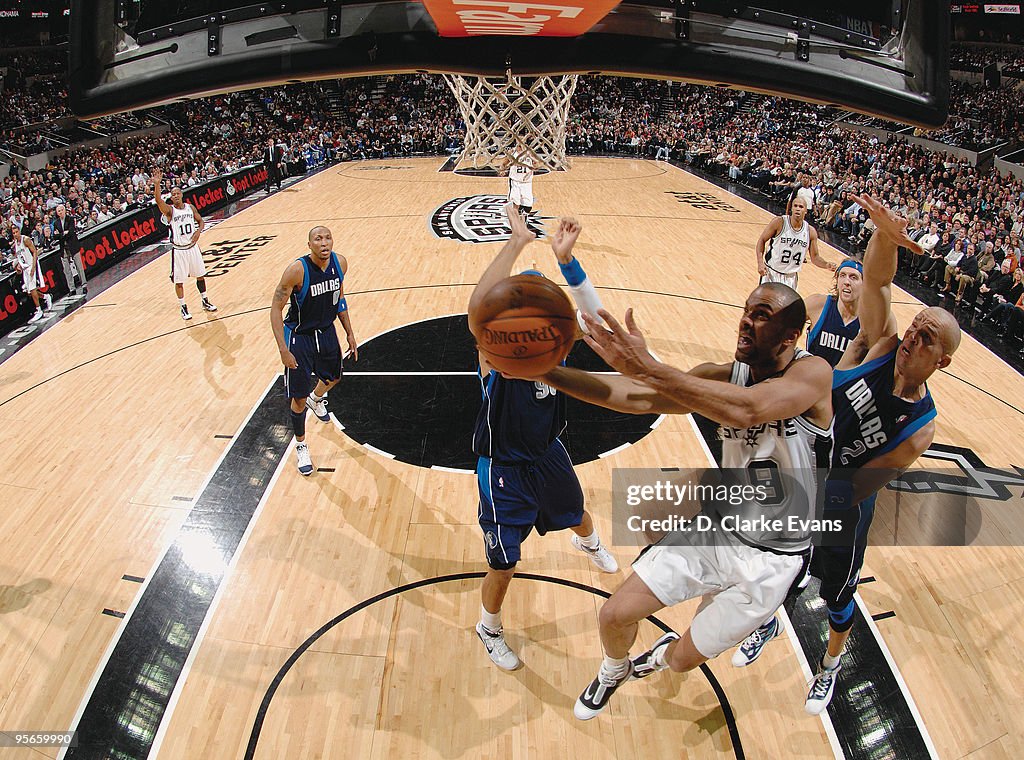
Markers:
{"x": 185, "y": 263}
{"x": 786, "y": 278}
{"x": 741, "y": 586}
{"x": 31, "y": 278}
{"x": 520, "y": 193}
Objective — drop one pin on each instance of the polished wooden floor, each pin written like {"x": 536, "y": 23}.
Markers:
{"x": 110, "y": 415}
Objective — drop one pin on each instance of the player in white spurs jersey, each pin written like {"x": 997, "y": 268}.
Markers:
{"x": 774, "y": 405}
{"x": 186, "y": 225}
{"x": 26, "y": 261}
{"x": 520, "y": 183}
{"x": 785, "y": 244}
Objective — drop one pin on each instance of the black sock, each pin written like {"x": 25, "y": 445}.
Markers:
{"x": 201, "y": 285}
{"x": 298, "y": 422}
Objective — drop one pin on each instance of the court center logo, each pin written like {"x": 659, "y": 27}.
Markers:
{"x": 478, "y": 219}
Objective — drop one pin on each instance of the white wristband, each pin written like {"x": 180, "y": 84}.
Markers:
{"x": 587, "y": 300}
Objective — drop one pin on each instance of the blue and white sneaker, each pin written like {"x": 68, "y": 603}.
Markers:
{"x": 304, "y": 462}
{"x": 319, "y": 408}
{"x": 753, "y": 645}
{"x": 822, "y": 686}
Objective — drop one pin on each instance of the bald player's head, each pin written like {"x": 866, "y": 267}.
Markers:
{"x": 320, "y": 242}
{"x": 949, "y": 328}
{"x": 928, "y": 344}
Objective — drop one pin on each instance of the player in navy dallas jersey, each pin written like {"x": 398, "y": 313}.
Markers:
{"x": 833, "y": 317}
{"x": 524, "y": 474}
{"x": 884, "y": 421}
{"x": 313, "y": 289}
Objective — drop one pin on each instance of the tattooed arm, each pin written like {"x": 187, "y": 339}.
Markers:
{"x": 290, "y": 281}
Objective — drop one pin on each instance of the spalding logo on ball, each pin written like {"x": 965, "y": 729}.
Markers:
{"x": 525, "y": 325}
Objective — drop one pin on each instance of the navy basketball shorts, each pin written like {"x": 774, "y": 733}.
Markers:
{"x": 514, "y": 499}
{"x": 838, "y": 566}
{"x": 318, "y": 355}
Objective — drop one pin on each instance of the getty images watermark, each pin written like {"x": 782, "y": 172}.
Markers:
{"x": 787, "y": 509}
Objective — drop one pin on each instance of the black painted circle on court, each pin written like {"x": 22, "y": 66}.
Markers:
{"x": 427, "y": 418}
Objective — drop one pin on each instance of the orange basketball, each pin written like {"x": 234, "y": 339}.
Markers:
{"x": 525, "y": 325}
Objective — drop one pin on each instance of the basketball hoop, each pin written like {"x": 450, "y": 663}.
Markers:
{"x": 513, "y": 118}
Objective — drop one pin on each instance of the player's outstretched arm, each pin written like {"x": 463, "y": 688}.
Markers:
{"x": 880, "y": 260}
{"x": 582, "y": 289}
{"x": 622, "y": 394}
{"x": 805, "y": 384}
{"x": 501, "y": 266}
{"x": 290, "y": 281}
{"x": 158, "y": 193}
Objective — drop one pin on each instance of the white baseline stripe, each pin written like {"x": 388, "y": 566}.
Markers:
{"x": 805, "y": 667}
{"x": 187, "y": 667}
{"x": 932, "y": 752}
{"x": 149, "y": 576}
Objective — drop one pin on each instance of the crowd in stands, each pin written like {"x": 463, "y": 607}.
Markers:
{"x": 970, "y": 220}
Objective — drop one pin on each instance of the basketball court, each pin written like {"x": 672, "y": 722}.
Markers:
{"x": 170, "y": 582}
{"x": 172, "y": 587}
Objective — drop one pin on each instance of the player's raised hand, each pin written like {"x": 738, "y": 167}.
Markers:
{"x": 889, "y": 223}
{"x": 157, "y": 177}
{"x": 517, "y": 224}
{"x": 565, "y": 238}
{"x": 623, "y": 349}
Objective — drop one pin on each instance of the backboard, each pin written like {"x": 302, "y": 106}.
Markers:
{"x": 890, "y": 59}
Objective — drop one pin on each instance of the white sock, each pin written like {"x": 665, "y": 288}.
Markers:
{"x": 491, "y": 620}
{"x": 181, "y": 301}
{"x": 317, "y": 399}
{"x": 592, "y": 541}
{"x": 829, "y": 662}
{"x": 614, "y": 667}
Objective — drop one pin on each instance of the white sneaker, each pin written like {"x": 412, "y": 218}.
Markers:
{"x": 595, "y": 697}
{"x": 601, "y": 557}
{"x": 822, "y": 686}
{"x": 49, "y": 301}
{"x": 319, "y": 408}
{"x": 753, "y": 645}
{"x": 497, "y": 649}
{"x": 207, "y": 306}
{"x": 302, "y": 454}
{"x": 185, "y": 313}
{"x": 37, "y": 316}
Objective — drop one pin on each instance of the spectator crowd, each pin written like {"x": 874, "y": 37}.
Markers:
{"x": 969, "y": 220}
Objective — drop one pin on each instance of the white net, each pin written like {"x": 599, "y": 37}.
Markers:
{"x": 515, "y": 117}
